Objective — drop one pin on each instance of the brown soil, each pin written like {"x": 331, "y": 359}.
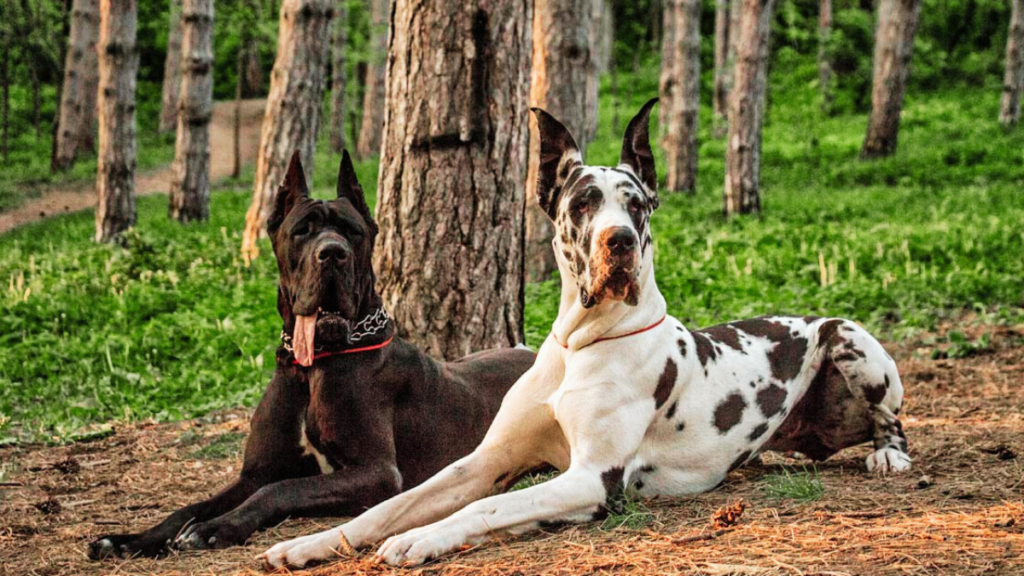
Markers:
{"x": 960, "y": 511}
{"x": 81, "y": 195}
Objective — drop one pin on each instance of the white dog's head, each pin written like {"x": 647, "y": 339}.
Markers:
{"x": 601, "y": 215}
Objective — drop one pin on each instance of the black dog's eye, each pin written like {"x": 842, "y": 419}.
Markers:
{"x": 302, "y": 229}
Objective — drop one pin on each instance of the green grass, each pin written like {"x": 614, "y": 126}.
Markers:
{"x": 175, "y": 325}
{"x": 221, "y": 447}
{"x": 802, "y": 486}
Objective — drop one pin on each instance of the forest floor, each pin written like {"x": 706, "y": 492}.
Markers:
{"x": 74, "y": 196}
{"x": 959, "y": 511}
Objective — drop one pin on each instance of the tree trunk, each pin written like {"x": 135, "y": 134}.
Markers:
{"x": 825, "y": 56}
{"x": 450, "y": 259}
{"x": 293, "y": 107}
{"x": 681, "y": 134}
{"x": 190, "y": 188}
{"x": 1013, "y": 81}
{"x": 338, "y": 78}
{"x": 374, "y": 96}
{"x": 236, "y": 170}
{"x": 894, "y": 43}
{"x": 600, "y": 36}
{"x": 61, "y": 58}
{"x": 723, "y": 66}
{"x": 746, "y": 108}
{"x": 562, "y": 63}
{"x": 668, "y": 78}
{"x": 172, "y": 72}
{"x": 5, "y": 90}
{"x": 118, "y": 64}
{"x": 78, "y": 94}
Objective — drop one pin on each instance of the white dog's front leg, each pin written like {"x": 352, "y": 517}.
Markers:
{"x": 577, "y": 490}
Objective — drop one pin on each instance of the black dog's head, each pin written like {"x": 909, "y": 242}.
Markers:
{"x": 601, "y": 215}
{"x": 324, "y": 252}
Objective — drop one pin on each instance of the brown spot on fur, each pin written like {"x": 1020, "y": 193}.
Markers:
{"x": 827, "y": 331}
{"x": 770, "y": 400}
{"x": 613, "y": 489}
{"x": 682, "y": 347}
{"x": 787, "y": 356}
{"x": 666, "y": 382}
{"x": 874, "y": 394}
{"x": 758, "y": 431}
{"x": 705, "y": 349}
{"x": 725, "y": 334}
{"x": 729, "y": 412}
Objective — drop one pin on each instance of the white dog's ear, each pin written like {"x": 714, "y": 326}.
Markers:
{"x": 636, "y": 151}
{"x": 559, "y": 155}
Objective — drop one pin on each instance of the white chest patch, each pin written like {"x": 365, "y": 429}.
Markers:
{"x": 309, "y": 450}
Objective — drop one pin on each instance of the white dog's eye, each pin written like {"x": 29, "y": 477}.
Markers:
{"x": 635, "y": 205}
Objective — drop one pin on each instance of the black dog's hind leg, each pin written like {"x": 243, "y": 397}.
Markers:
{"x": 272, "y": 453}
{"x": 344, "y": 493}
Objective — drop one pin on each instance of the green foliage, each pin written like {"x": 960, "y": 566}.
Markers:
{"x": 802, "y": 486}
{"x": 634, "y": 515}
{"x": 224, "y": 446}
{"x": 961, "y": 347}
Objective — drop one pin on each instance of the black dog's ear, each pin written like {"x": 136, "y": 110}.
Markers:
{"x": 289, "y": 193}
{"x": 636, "y": 151}
{"x": 350, "y": 189}
{"x": 559, "y": 154}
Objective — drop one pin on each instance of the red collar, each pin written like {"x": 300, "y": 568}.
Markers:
{"x": 349, "y": 351}
{"x": 633, "y": 333}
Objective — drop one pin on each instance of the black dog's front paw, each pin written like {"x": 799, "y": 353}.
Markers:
{"x": 210, "y": 535}
{"x": 124, "y": 546}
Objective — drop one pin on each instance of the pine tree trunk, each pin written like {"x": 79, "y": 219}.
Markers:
{"x": 600, "y": 37}
{"x": 681, "y": 134}
{"x": 190, "y": 188}
{"x": 894, "y": 43}
{"x": 723, "y": 67}
{"x": 1013, "y": 81}
{"x": 338, "y": 78}
{"x": 172, "y": 72}
{"x": 746, "y": 108}
{"x": 561, "y": 65}
{"x": 824, "y": 56}
{"x": 293, "y": 106}
{"x": 5, "y": 90}
{"x": 78, "y": 92}
{"x": 374, "y": 97}
{"x": 61, "y": 58}
{"x": 236, "y": 170}
{"x": 455, "y": 159}
{"x": 118, "y": 64}
{"x": 667, "y": 80}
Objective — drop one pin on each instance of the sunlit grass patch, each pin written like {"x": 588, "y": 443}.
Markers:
{"x": 803, "y": 486}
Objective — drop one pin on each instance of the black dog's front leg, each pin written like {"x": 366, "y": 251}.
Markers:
{"x": 157, "y": 539}
{"x": 348, "y": 492}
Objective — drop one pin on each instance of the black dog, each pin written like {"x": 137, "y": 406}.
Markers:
{"x": 353, "y": 414}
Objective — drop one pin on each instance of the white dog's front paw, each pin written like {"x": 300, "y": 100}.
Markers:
{"x": 301, "y": 551}
{"x": 417, "y": 546}
{"x": 888, "y": 460}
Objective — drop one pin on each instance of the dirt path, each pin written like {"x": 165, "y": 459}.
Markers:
{"x": 960, "y": 511}
{"x": 81, "y": 196}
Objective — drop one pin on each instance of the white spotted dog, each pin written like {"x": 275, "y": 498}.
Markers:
{"x": 622, "y": 397}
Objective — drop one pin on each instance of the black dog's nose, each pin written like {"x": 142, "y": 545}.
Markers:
{"x": 332, "y": 251}
{"x": 622, "y": 240}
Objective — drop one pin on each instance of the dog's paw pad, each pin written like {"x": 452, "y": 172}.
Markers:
{"x": 888, "y": 461}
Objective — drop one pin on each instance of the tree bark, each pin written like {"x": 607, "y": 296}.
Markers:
{"x": 450, "y": 258}
{"x": 825, "y": 56}
{"x": 562, "y": 63}
{"x": 65, "y": 21}
{"x": 338, "y": 78}
{"x": 293, "y": 107}
{"x": 746, "y": 109}
{"x": 894, "y": 43}
{"x": 1013, "y": 81}
{"x": 118, "y": 64}
{"x": 600, "y": 37}
{"x": 667, "y": 80}
{"x": 190, "y": 187}
{"x": 5, "y": 90}
{"x": 172, "y": 71}
{"x": 78, "y": 94}
{"x": 374, "y": 97}
{"x": 681, "y": 134}
{"x": 723, "y": 66}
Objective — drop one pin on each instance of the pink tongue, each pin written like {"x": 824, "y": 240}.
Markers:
{"x": 305, "y": 331}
